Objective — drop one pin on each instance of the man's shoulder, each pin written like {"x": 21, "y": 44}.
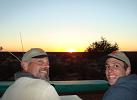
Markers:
{"x": 128, "y": 83}
{"x": 31, "y": 81}
{"x": 121, "y": 90}
{"x": 30, "y": 84}
{"x": 119, "y": 93}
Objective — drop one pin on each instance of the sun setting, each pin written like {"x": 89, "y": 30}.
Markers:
{"x": 55, "y": 27}
{"x": 71, "y": 50}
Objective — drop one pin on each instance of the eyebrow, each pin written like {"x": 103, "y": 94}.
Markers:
{"x": 40, "y": 56}
{"x": 112, "y": 63}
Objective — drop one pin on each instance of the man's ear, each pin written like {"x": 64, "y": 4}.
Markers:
{"x": 24, "y": 65}
{"x": 128, "y": 71}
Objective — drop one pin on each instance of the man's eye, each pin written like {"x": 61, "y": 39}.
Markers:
{"x": 116, "y": 66}
{"x": 40, "y": 62}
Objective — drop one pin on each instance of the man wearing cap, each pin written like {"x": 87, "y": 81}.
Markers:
{"x": 32, "y": 83}
{"x": 123, "y": 84}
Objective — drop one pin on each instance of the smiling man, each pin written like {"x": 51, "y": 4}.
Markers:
{"x": 32, "y": 83}
{"x": 123, "y": 84}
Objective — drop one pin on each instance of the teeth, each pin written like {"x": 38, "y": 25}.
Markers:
{"x": 111, "y": 76}
{"x": 43, "y": 71}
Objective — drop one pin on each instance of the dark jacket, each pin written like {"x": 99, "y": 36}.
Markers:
{"x": 124, "y": 89}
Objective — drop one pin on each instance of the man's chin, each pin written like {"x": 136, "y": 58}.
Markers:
{"x": 112, "y": 82}
{"x": 43, "y": 76}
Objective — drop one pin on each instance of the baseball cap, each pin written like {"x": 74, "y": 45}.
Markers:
{"x": 120, "y": 56}
{"x": 34, "y": 53}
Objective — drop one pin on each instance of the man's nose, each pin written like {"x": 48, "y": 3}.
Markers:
{"x": 111, "y": 69}
{"x": 46, "y": 65}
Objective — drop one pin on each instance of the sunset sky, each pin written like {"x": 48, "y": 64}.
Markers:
{"x": 67, "y": 25}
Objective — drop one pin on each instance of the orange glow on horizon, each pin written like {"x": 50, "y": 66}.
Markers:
{"x": 71, "y": 50}
{"x": 62, "y": 48}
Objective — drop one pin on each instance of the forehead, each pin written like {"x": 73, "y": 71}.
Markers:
{"x": 43, "y": 58}
{"x": 114, "y": 60}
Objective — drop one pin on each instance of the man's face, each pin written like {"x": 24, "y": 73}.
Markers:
{"x": 39, "y": 67}
{"x": 114, "y": 70}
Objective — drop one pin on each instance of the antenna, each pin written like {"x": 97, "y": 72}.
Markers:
{"x": 21, "y": 42}
{"x": 1, "y": 48}
{"x": 15, "y": 56}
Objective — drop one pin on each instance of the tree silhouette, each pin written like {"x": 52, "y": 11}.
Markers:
{"x": 100, "y": 48}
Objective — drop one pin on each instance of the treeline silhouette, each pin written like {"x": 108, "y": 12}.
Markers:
{"x": 63, "y": 66}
